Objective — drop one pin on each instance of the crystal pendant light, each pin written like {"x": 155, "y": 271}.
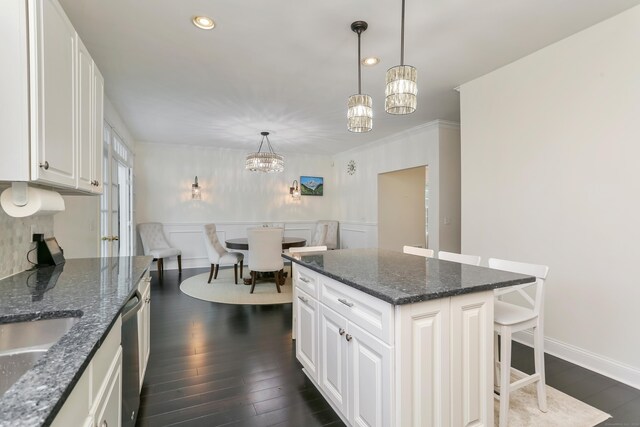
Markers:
{"x": 401, "y": 87}
{"x": 360, "y": 111}
{"x": 265, "y": 161}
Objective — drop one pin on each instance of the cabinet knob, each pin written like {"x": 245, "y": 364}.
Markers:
{"x": 44, "y": 165}
{"x": 104, "y": 423}
{"x": 115, "y": 238}
{"x": 105, "y": 238}
{"x": 341, "y": 331}
{"x": 348, "y": 337}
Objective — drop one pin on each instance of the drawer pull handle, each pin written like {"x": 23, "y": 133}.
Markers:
{"x": 348, "y": 337}
{"x": 303, "y": 299}
{"x": 305, "y": 280}
{"x": 345, "y": 302}
{"x": 341, "y": 331}
{"x": 44, "y": 165}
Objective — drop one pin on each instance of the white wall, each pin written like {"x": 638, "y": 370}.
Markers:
{"x": 357, "y": 201}
{"x": 550, "y": 149}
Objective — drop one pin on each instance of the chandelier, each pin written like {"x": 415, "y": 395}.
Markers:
{"x": 265, "y": 161}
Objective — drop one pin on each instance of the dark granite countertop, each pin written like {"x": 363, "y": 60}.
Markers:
{"x": 399, "y": 278}
{"x": 95, "y": 289}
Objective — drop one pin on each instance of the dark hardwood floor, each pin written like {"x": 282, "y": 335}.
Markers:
{"x": 216, "y": 364}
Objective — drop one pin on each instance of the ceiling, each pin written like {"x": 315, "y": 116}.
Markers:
{"x": 288, "y": 66}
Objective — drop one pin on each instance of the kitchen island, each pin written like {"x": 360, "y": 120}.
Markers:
{"x": 392, "y": 339}
{"x": 91, "y": 290}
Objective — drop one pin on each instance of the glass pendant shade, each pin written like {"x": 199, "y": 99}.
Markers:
{"x": 402, "y": 90}
{"x": 360, "y": 113}
{"x": 264, "y": 161}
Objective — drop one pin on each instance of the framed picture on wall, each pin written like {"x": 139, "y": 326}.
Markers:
{"x": 311, "y": 185}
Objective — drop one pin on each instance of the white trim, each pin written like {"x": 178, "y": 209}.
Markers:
{"x": 613, "y": 369}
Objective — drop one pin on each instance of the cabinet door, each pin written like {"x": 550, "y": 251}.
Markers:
{"x": 109, "y": 412}
{"x": 144, "y": 322}
{"x": 333, "y": 358}
{"x": 86, "y": 134}
{"x": 53, "y": 155}
{"x": 98, "y": 129}
{"x": 307, "y": 333}
{"x": 370, "y": 379}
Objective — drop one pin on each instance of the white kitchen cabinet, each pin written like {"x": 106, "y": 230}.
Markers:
{"x": 144, "y": 325}
{"x": 307, "y": 333}
{"x": 416, "y": 365}
{"x": 98, "y": 393}
{"x": 53, "y": 97}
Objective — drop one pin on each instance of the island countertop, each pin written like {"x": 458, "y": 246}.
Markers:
{"x": 95, "y": 289}
{"x": 399, "y": 278}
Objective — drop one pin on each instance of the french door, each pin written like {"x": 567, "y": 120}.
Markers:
{"x": 116, "y": 207}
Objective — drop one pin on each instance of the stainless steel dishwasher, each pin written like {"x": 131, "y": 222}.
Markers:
{"x": 130, "y": 361}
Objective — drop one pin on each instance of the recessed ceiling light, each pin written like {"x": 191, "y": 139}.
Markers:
{"x": 370, "y": 61}
{"x": 203, "y": 22}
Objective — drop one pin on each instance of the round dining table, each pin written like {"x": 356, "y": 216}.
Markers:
{"x": 242, "y": 243}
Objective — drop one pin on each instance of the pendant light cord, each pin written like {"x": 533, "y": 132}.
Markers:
{"x": 402, "y": 36}
{"x": 359, "y": 64}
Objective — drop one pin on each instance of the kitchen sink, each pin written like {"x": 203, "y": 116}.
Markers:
{"x": 23, "y": 343}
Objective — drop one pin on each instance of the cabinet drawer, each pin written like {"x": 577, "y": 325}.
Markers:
{"x": 306, "y": 280}
{"x": 371, "y": 314}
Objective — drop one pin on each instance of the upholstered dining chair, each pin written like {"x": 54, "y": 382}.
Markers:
{"x": 219, "y": 255}
{"x": 412, "y": 250}
{"x": 265, "y": 253}
{"x": 459, "y": 258}
{"x": 155, "y": 244}
{"x": 509, "y": 318}
{"x": 331, "y": 238}
{"x": 320, "y": 236}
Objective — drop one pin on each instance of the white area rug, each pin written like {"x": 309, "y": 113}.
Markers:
{"x": 564, "y": 410}
{"x": 224, "y": 290}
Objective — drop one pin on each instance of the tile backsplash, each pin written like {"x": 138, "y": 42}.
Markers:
{"x": 15, "y": 241}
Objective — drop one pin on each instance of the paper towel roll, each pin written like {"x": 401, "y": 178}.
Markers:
{"x": 39, "y": 202}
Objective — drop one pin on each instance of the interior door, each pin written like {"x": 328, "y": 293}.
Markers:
{"x": 116, "y": 202}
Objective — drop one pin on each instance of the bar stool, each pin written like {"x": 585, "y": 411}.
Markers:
{"x": 459, "y": 258}
{"x": 427, "y": 253}
{"x": 510, "y": 318}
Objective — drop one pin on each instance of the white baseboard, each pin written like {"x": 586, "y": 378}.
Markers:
{"x": 613, "y": 369}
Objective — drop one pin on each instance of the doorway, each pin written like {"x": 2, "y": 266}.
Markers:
{"x": 403, "y": 197}
{"x": 116, "y": 210}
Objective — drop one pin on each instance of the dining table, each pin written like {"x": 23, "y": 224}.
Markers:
{"x": 242, "y": 244}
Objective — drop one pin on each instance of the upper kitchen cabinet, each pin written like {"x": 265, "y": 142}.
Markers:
{"x": 52, "y": 100}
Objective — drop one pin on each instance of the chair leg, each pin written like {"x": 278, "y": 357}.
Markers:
{"x": 278, "y": 281}
{"x": 211, "y": 273}
{"x": 538, "y": 354}
{"x": 160, "y": 267}
{"x": 235, "y": 272}
{"x": 215, "y": 275}
{"x": 241, "y": 265}
{"x": 253, "y": 281}
{"x": 505, "y": 374}
{"x": 180, "y": 264}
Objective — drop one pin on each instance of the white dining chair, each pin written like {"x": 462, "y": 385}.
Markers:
{"x": 459, "y": 258}
{"x": 510, "y": 318}
{"x": 265, "y": 253}
{"x": 412, "y": 250}
{"x": 320, "y": 236}
{"x": 155, "y": 244}
{"x": 218, "y": 254}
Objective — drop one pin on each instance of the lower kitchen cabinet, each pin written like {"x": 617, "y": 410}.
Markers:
{"x": 307, "y": 330}
{"x": 96, "y": 399}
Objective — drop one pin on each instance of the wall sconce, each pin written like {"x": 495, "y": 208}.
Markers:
{"x": 195, "y": 190}
{"x": 294, "y": 190}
